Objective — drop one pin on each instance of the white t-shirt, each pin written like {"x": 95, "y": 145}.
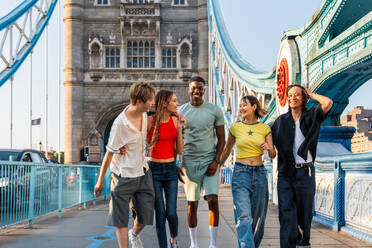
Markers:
{"x": 299, "y": 138}
{"x": 123, "y": 133}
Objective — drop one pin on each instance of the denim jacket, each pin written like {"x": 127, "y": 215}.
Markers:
{"x": 283, "y": 131}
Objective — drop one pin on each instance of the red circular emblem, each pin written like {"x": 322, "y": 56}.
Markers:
{"x": 282, "y": 82}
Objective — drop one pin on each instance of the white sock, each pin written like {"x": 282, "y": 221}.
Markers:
{"x": 213, "y": 235}
{"x": 133, "y": 233}
{"x": 193, "y": 236}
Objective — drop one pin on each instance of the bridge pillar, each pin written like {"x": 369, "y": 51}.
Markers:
{"x": 203, "y": 39}
{"x": 339, "y": 197}
{"x": 340, "y": 135}
{"x": 73, "y": 74}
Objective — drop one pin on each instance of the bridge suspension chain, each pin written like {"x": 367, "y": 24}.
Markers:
{"x": 20, "y": 31}
{"x": 230, "y": 76}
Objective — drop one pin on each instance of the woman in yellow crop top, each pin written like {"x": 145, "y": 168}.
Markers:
{"x": 249, "y": 183}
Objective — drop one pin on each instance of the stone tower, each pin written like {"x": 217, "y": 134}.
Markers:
{"x": 110, "y": 44}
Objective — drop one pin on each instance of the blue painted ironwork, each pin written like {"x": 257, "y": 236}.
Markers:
{"x": 16, "y": 13}
{"x": 340, "y": 135}
{"x": 224, "y": 57}
{"x": 330, "y": 57}
{"x": 329, "y": 63}
{"x": 269, "y": 175}
{"x": 352, "y": 203}
{"x": 30, "y": 190}
{"x": 10, "y": 19}
{"x": 226, "y": 175}
{"x": 339, "y": 197}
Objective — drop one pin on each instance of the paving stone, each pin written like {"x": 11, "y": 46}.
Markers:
{"x": 86, "y": 228}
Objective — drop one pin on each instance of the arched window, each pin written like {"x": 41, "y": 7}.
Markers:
{"x": 95, "y": 56}
{"x": 169, "y": 58}
{"x": 141, "y": 54}
{"x": 112, "y": 56}
{"x": 185, "y": 56}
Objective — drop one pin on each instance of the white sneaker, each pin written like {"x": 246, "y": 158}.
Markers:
{"x": 193, "y": 246}
{"x": 134, "y": 240}
{"x": 212, "y": 246}
{"x": 173, "y": 245}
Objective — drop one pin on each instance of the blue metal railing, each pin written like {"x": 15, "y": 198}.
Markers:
{"x": 226, "y": 175}
{"x": 343, "y": 199}
{"x": 29, "y": 190}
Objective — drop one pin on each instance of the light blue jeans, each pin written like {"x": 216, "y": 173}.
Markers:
{"x": 250, "y": 195}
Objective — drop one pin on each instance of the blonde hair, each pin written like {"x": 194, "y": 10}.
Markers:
{"x": 140, "y": 91}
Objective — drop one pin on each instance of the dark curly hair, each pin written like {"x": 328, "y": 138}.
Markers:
{"x": 305, "y": 96}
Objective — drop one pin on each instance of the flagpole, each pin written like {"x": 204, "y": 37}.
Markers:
{"x": 11, "y": 113}
{"x": 11, "y": 86}
{"x": 59, "y": 81}
{"x": 30, "y": 98}
{"x": 46, "y": 91}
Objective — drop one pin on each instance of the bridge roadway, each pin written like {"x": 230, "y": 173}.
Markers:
{"x": 86, "y": 228}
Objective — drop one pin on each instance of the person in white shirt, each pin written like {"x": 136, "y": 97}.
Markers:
{"x": 131, "y": 178}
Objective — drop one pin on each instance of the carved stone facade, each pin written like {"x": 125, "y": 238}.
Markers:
{"x": 110, "y": 44}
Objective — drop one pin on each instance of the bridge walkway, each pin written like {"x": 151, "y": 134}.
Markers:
{"x": 86, "y": 228}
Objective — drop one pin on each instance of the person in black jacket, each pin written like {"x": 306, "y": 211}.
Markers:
{"x": 295, "y": 136}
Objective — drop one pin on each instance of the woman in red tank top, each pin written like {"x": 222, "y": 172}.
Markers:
{"x": 165, "y": 140}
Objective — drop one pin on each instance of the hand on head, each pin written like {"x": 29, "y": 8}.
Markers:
{"x": 308, "y": 92}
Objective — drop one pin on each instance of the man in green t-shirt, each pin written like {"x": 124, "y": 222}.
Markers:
{"x": 201, "y": 157}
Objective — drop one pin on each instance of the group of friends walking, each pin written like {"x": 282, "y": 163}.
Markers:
{"x": 197, "y": 131}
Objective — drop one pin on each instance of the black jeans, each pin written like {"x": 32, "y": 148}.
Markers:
{"x": 296, "y": 197}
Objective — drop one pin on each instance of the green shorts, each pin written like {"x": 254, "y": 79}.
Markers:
{"x": 197, "y": 182}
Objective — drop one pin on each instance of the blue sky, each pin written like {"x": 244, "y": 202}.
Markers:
{"x": 254, "y": 26}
